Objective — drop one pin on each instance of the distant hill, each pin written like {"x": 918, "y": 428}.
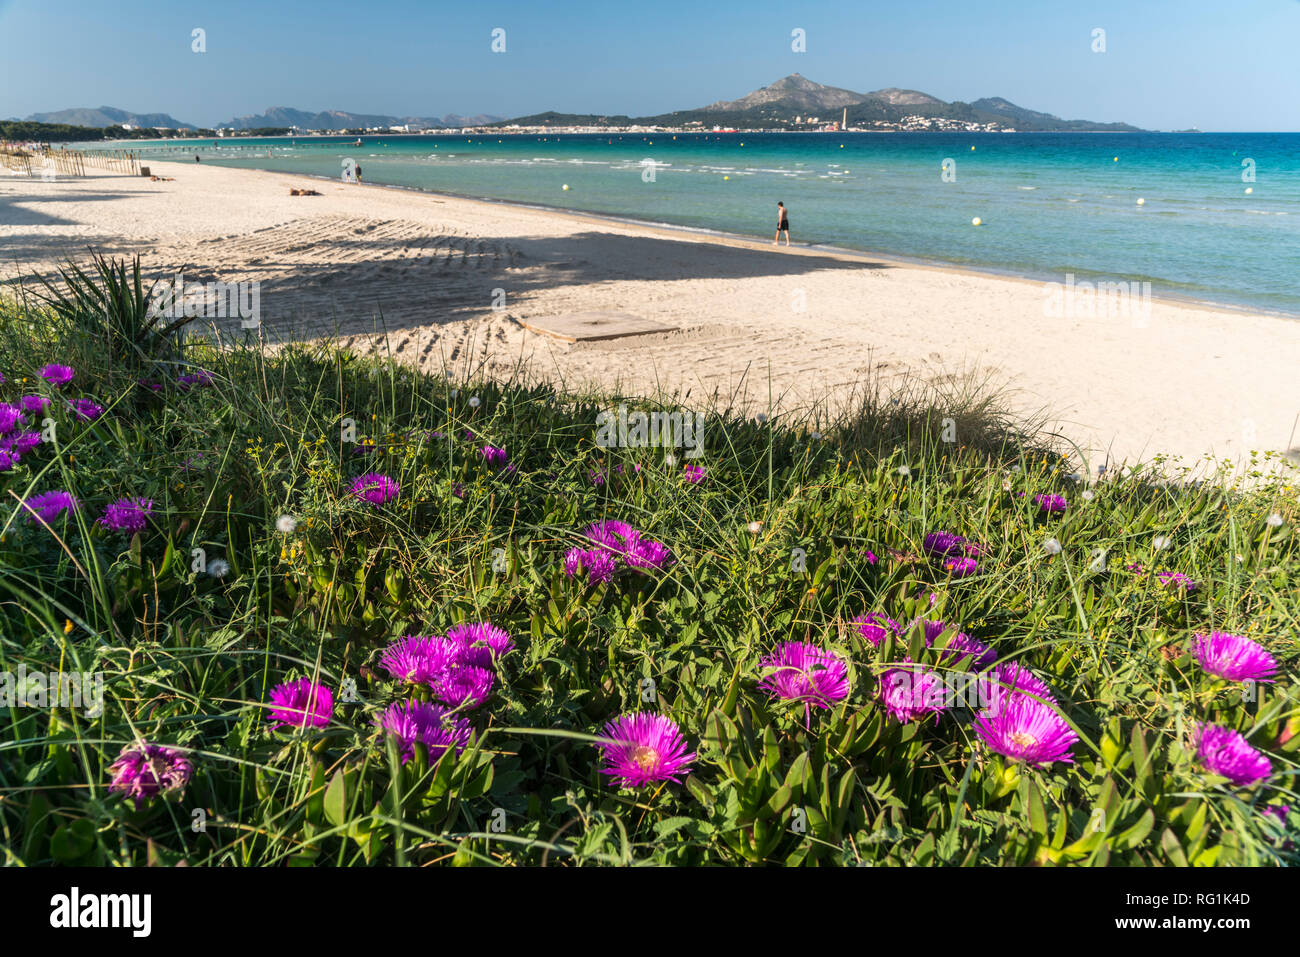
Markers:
{"x": 110, "y": 116}
{"x": 795, "y": 101}
{"x": 284, "y": 116}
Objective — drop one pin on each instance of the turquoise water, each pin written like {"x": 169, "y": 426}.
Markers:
{"x": 1051, "y": 203}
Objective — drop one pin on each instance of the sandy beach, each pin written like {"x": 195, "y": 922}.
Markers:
{"x": 456, "y": 279}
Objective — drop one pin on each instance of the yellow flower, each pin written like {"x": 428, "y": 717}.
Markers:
{"x": 67, "y": 627}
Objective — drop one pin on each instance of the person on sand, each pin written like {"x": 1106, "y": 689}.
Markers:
{"x": 782, "y": 225}
{"x": 196, "y": 157}
{"x": 358, "y": 172}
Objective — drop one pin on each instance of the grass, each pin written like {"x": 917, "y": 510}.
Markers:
{"x": 774, "y": 545}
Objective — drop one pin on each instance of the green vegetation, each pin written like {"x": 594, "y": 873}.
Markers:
{"x": 797, "y": 528}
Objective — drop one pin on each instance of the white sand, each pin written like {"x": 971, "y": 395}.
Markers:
{"x": 1187, "y": 382}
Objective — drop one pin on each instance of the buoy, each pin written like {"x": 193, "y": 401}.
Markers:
{"x": 976, "y": 221}
{"x": 566, "y": 185}
{"x": 1249, "y": 190}
{"x": 728, "y": 177}
{"x": 972, "y": 149}
{"x": 1141, "y": 201}
{"x": 1116, "y": 159}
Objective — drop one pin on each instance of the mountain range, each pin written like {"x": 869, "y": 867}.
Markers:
{"x": 795, "y": 99}
{"x": 789, "y": 102}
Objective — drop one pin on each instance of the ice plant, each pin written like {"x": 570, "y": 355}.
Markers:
{"x": 1051, "y": 503}
{"x": 805, "y": 673}
{"x": 200, "y": 378}
{"x": 1026, "y": 731}
{"x": 597, "y": 564}
{"x": 1234, "y": 657}
{"x": 57, "y": 375}
{"x": 911, "y": 691}
{"x": 129, "y": 515}
{"x": 480, "y": 643}
{"x": 1224, "y": 751}
{"x": 143, "y": 771}
{"x": 464, "y": 686}
{"x": 302, "y": 703}
{"x": 49, "y": 505}
{"x": 11, "y": 417}
{"x": 494, "y": 456}
{"x": 375, "y": 488}
{"x": 20, "y": 443}
{"x": 86, "y": 410}
{"x": 960, "y": 645}
{"x": 34, "y": 403}
{"x": 1177, "y": 581}
{"x": 694, "y": 473}
{"x": 1011, "y": 678}
{"x": 961, "y": 567}
{"x": 418, "y": 722}
{"x": 942, "y": 544}
{"x": 419, "y": 659}
{"x": 875, "y": 627}
{"x": 641, "y": 749}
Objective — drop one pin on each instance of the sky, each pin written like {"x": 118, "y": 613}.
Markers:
{"x": 1167, "y": 64}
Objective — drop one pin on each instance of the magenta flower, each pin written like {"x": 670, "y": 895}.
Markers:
{"x": 129, "y": 515}
{"x": 961, "y": 567}
{"x": 481, "y": 643}
{"x": 85, "y": 410}
{"x": 11, "y": 417}
{"x": 1027, "y": 731}
{"x": 804, "y": 672}
{"x": 869, "y": 555}
{"x": 464, "y": 686}
{"x": 57, "y": 375}
{"x": 597, "y": 564}
{"x": 1177, "y": 581}
{"x": 419, "y": 659}
{"x": 1234, "y": 657}
{"x": 8, "y": 460}
{"x": 629, "y": 546}
{"x": 20, "y": 443}
{"x": 942, "y": 544}
{"x": 1011, "y": 678}
{"x": 146, "y": 770}
{"x": 960, "y": 645}
{"x": 301, "y": 703}
{"x": 694, "y": 473}
{"x": 49, "y": 505}
{"x": 1051, "y": 503}
{"x": 912, "y": 691}
{"x": 417, "y": 722}
{"x": 643, "y": 748}
{"x": 201, "y": 378}
{"x": 375, "y": 488}
{"x": 875, "y": 627}
{"x": 1224, "y": 751}
{"x": 494, "y": 456}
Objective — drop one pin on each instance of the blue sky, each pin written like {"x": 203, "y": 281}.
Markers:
{"x": 1169, "y": 64}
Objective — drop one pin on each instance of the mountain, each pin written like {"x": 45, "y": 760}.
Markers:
{"x": 1031, "y": 120}
{"x": 110, "y": 116}
{"x": 280, "y": 116}
{"x": 795, "y": 101}
{"x": 793, "y": 92}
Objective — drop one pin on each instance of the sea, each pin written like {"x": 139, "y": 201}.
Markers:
{"x": 1208, "y": 217}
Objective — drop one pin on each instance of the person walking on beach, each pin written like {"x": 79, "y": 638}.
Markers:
{"x": 358, "y": 172}
{"x": 782, "y": 225}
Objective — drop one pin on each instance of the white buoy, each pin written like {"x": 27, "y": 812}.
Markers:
{"x": 1249, "y": 190}
{"x": 566, "y": 185}
{"x": 1141, "y": 201}
{"x": 976, "y": 221}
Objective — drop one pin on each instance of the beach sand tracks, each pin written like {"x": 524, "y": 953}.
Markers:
{"x": 316, "y": 269}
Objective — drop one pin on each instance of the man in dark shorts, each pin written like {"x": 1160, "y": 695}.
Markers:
{"x": 358, "y": 172}
{"x": 782, "y": 225}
